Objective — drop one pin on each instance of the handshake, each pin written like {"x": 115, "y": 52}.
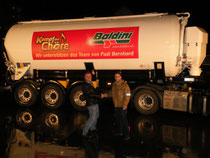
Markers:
{"x": 102, "y": 96}
{"x": 106, "y": 95}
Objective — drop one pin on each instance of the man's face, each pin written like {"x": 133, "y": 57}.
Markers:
{"x": 88, "y": 77}
{"x": 117, "y": 77}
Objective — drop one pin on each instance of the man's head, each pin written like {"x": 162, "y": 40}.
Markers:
{"x": 118, "y": 76}
{"x": 88, "y": 76}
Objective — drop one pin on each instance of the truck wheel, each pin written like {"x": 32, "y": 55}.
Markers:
{"x": 51, "y": 119}
{"x": 25, "y": 94}
{"x": 76, "y": 98}
{"x": 52, "y": 96}
{"x": 24, "y": 118}
{"x": 146, "y": 128}
{"x": 146, "y": 102}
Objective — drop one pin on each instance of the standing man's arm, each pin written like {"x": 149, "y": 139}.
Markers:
{"x": 114, "y": 96}
{"x": 127, "y": 94}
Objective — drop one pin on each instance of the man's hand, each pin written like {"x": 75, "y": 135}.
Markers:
{"x": 124, "y": 107}
{"x": 93, "y": 72}
{"x": 102, "y": 96}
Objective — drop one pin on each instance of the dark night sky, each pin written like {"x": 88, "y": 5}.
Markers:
{"x": 61, "y": 9}
{"x": 12, "y": 11}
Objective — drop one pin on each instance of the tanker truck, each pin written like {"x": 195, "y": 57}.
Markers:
{"x": 157, "y": 53}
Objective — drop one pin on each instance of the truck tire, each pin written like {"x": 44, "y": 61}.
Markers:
{"x": 51, "y": 119}
{"x": 146, "y": 102}
{"x": 76, "y": 98}
{"x": 25, "y": 94}
{"x": 146, "y": 128}
{"x": 24, "y": 118}
{"x": 52, "y": 96}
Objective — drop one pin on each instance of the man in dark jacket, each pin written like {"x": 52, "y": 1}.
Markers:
{"x": 91, "y": 95}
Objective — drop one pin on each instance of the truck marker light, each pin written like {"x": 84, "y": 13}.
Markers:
{"x": 109, "y": 83}
{"x": 188, "y": 79}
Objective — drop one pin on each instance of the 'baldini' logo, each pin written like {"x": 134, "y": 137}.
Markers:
{"x": 107, "y": 38}
{"x": 53, "y": 43}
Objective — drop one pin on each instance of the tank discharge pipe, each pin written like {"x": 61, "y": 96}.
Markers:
{"x": 183, "y": 22}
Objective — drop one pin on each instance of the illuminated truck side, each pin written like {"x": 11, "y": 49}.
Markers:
{"x": 48, "y": 58}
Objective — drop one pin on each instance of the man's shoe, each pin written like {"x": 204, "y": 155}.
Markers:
{"x": 118, "y": 134}
{"x": 126, "y": 138}
{"x": 85, "y": 136}
{"x": 92, "y": 132}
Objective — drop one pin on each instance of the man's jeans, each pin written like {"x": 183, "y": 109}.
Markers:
{"x": 121, "y": 121}
{"x": 92, "y": 120}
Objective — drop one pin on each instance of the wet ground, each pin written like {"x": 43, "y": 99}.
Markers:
{"x": 37, "y": 132}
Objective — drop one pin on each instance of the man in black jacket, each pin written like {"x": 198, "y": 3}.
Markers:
{"x": 91, "y": 95}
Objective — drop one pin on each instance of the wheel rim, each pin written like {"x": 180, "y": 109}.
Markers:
{"x": 52, "y": 120}
{"x": 146, "y": 102}
{"x": 24, "y": 95}
{"x": 145, "y": 126}
{"x": 25, "y": 118}
{"x": 51, "y": 96}
{"x": 78, "y": 100}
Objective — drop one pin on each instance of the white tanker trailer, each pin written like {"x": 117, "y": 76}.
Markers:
{"x": 48, "y": 59}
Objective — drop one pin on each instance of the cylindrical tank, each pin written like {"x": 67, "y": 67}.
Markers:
{"x": 125, "y": 42}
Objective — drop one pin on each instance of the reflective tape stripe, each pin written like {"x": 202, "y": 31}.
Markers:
{"x": 127, "y": 94}
{"x": 22, "y": 65}
{"x": 18, "y": 65}
{"x": 190, "y": 104}
{"x": 204, "y": 105}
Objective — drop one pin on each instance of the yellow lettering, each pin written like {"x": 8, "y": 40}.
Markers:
{"x": 53, "y": 43}
{"x": 44, "y": 46}
{"x": 39, "y": 39}
{"x": 56, "y": 47}
{"x": 66, "y": 46}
